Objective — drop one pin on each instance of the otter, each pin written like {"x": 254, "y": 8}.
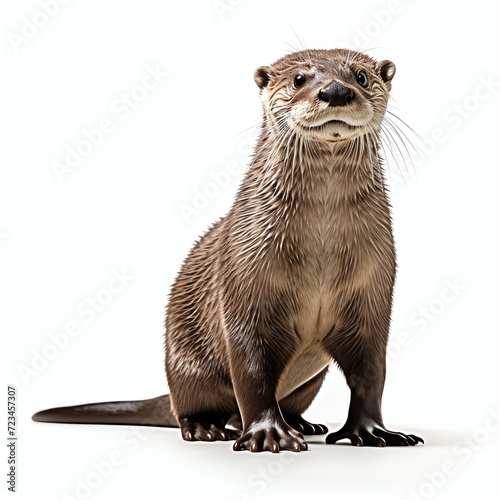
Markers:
{"x": 299, "y": 273}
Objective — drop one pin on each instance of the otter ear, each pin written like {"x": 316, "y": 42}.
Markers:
{"x": 262, "y": 77}
{"x": 387, "y": 70}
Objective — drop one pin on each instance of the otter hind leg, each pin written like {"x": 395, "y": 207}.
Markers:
{"x": 364, "y": 370}
{"x": 208, "y": 426}
{"x": 298, "y": 401}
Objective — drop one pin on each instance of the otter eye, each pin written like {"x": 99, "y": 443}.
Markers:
{"x": 299, "y": 80}
{"x": 362, "y": 79}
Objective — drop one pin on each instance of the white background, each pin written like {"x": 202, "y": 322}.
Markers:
{"x": 121, "y": 209}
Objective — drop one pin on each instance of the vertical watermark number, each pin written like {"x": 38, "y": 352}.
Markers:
{"x": 11, "y": 438}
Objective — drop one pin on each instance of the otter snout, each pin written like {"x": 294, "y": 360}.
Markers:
{"x": 336, "y": 94}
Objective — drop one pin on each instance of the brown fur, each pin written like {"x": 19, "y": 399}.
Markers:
{"x": 299, "y": 273}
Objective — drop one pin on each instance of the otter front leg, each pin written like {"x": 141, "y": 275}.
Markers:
{"x": 364, "y": 370}
{"x": 257, "y": 358}
{"x": 364, "y": 425}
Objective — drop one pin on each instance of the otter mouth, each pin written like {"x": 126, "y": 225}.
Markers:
{"x": 335, "y": 127}
{"x": 328, "y": 123}
{"x": 333, "y": 130}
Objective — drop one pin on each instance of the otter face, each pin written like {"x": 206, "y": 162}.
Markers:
{"x": 326, "y": 95}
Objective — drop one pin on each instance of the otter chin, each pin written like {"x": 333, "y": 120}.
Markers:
{"x": 328, "y": 131}
{"x": 298, "y": 275}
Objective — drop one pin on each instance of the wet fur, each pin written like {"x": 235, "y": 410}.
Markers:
{"x": 299, "y": 273}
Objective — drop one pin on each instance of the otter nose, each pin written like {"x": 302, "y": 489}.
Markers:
{"x": 336, "y": 94}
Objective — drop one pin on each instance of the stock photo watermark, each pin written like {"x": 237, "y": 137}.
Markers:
{"x": 219, "y": 180}
{"x": 225, "y": 7}
{"x": 86, "y": 311}
{"x": 453, "y": 118}
{"x": 101, "y": 470}
{"x": 121, "y": 109}
{"x": 12, "y": 438}
{"x": 265, "y": 476}
{"x": 426, "y": 314}
{"x": 31, "y": 26}
{"x": 203, "y": 195}
{"x": 379, "y": 21}
{"x": 463, "y": 451}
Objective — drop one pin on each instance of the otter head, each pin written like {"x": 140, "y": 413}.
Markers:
{"x": 325, "y": 95}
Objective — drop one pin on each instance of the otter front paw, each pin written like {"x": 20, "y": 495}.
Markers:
{"x": 270, "y": 436}
{"x": 370, "y": 433}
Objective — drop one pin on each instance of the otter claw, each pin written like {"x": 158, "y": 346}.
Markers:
{"x": 303, "y": 426}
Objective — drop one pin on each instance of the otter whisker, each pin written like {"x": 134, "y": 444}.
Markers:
{"x": 395, "y": 142}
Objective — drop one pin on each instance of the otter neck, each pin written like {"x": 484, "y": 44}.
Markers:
{"x": 298, "y": 197}
{"x": 301, "y": 169}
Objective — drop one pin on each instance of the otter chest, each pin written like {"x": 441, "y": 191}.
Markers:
{"x": 345, "y": 250}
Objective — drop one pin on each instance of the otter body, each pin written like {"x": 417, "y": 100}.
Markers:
{"x": 299, "y": 273}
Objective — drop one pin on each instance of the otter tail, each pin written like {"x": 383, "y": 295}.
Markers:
{"x": 155, "y": 412}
